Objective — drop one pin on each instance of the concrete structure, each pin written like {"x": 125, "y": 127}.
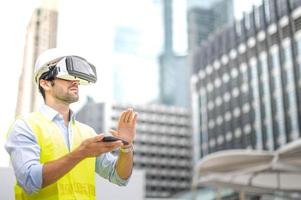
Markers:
{"x": 41, "y": 35}
{"x": 254, "y": 171}
{"x": 163, "y": 146}
{"x": 94, "y": 115}
{"x": 135, "y": 190}
{"x": 7, "y": 182}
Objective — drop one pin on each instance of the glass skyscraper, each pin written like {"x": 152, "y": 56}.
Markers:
{"x": 247, "y": 81}
{"x": 203, "y": 19}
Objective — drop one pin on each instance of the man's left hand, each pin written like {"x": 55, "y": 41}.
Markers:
{"x": 126, "y": 129}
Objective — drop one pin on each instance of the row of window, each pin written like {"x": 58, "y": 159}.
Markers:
{"x": 277, "y": 91}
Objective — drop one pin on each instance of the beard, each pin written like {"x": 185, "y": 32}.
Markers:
{"x": 67, "y": 97}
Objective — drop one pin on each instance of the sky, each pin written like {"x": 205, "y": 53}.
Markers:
{"x": 76, "y": 33}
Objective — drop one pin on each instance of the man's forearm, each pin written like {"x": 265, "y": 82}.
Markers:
{"x": 54, "y": 170}
{"x": 124, "y": 164}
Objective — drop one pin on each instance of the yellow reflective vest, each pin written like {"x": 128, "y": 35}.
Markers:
{"x": 77, "y": 184}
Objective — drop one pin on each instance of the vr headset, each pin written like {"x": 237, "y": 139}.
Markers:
{"x": 72, "y": 68}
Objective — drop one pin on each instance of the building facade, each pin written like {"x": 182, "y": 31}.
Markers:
{"x": 246, "y": 84}
{"x": 174, "y": 80}
{"x": 162, "y": 144}
{"x": 205, "y": 18}
{"x": 93, "y": 114}
{"x": 41, "y": 34}
{"x": 174, "y": 71}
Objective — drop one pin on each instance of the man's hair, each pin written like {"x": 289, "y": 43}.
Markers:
{"x": 48, "y": 76}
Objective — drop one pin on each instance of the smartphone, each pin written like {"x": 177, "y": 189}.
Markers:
{"x": 113, "y": 139}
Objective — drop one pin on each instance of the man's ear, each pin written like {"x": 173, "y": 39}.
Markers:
{"x": 46, "y": 85}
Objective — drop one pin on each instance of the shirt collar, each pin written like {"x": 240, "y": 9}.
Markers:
{"x": 50, "y": 113}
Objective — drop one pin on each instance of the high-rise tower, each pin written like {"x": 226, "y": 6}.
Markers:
{"x": 41, "y": 35}
{"x": 207, "y": 17}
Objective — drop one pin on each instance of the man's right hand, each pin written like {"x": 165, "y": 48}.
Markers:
{"x": 90, "y": 147}
{"x": 94, "y": 146}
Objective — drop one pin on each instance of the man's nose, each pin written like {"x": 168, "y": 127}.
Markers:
{"x": 75, "y": 82}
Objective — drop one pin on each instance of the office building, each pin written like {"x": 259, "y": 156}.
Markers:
{"x": 174, "y": 80}
{"x": 203, "y": 19}
{"x": 207, "y": 17}
{"x": 41, "y": 34}
{"x": 162, "y": 144}
{"x": 174, "y": 71}
{"x": 93, "y": 114}
{"x": 247, "y": 81}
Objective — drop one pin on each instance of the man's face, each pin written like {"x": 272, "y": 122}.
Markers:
{"x": 65, "y": 90}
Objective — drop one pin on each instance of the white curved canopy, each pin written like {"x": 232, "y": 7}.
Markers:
{"x": 252, "y": 170}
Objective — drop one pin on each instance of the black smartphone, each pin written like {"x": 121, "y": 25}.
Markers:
{"x": 113, "y": 139}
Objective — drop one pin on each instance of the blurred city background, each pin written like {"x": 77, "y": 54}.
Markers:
{"x": 216, "y": 83}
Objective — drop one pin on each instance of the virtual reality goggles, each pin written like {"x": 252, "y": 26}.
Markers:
{"x": 72, "y": 68}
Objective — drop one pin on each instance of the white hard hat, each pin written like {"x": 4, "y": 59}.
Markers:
{"x": 68, "y": 66}
{"x": 47, "y": 57}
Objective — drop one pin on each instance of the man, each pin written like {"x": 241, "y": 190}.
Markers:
{"x": 54, "y": 156}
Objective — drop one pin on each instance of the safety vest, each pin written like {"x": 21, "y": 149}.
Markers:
{"x": 77, "y": 184}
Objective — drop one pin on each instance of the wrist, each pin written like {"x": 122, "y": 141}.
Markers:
{"x": 78, "y": 154}
{"x": 127, "y": 148}
{"x": 128, "y": 145}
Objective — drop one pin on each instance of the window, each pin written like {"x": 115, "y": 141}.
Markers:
{"x": 267, "y": 10}
{"x": 290, "y": 88}
{"x": 299, "y": 53}
{"x": 248, "y": 21}
{"x": 267, "y": 101}
{"x": 257, "y": 16}
{"x": 287, "y": 55}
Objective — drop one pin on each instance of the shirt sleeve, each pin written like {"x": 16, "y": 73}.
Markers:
{"x": 105, "y": 167}
{"x": 24, "y": 152}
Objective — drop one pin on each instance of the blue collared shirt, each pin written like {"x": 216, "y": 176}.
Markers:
{"x": 25, "y": 153}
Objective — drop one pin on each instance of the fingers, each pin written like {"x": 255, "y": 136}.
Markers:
{"x": 114, "y": 132}
{"x": 133, "y": 122}
{"x": 112, "y": 145}
{"x": 122, "y": 117}
{"x": 129, "y": 116}
{"x": 95, "y": 139}
{"x": 94, "y": 146}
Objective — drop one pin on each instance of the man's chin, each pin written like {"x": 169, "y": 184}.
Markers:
{"x": 73, "y": 100}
